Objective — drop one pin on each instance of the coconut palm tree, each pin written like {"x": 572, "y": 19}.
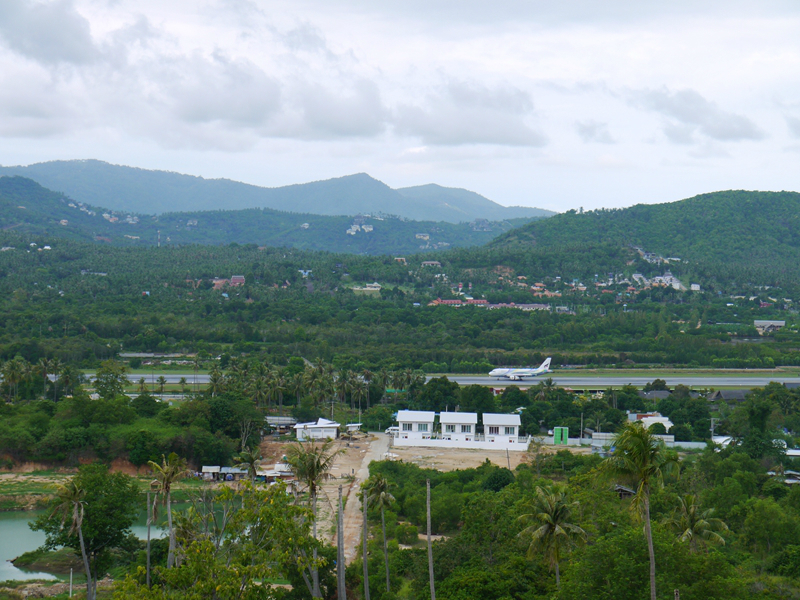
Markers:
{"x": 70, "y": 505}
{"x": 377, "y": 490}
{"x": 13, "y": 373}
{"x": 430, "y": 546}
{"x": 551, "y": 532}
{"x": 196, "y": 364}
{"x": 358, "y": 390}
{"x": 216, "y": 381}
{"x": 162, "y": 381}
{"x": 55, "y": 369}
{"x": 170, "y": 470}
{"x": 250, "y": 461}
{"x": 44, "y": 368}
{"x": 311, "y": 464}
{"x": 696, "y": 525}
{"x": 641, "y": 458}
{"x": 142, "y": 383}
{"x": 366, "y": 377}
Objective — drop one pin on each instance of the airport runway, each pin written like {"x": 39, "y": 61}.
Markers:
{"x": 571, "y": 380}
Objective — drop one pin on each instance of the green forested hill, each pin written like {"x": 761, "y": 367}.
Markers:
{"x": 718, "y": 226}
{"x": 124, "y": 188}
{"x": 27, "y": 207}
{"x": 756, "y": 234}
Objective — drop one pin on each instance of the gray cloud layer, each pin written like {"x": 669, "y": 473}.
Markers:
{"x": 687, "y": 113}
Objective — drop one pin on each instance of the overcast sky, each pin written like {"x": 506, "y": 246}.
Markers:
{"x": 531, "y": 102}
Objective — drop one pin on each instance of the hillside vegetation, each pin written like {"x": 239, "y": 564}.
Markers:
{"x": 143, "y": 191}
{"x": 27, "y": 207}
{"x": 757, "y": 232}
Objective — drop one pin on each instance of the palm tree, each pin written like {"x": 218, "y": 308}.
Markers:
{"x": 55, "y": 368}
{"x": 642, "y": 458}
{"x": 70, "y": 505}
{"x": 551, "y": 532}
{"x": 142, "y": 385}
{"x": 376, "y": 489}
{"x": 162, "y": 381}
{"x": 430, "y": 546}
{"x": 13, "y": 372}
{"x": 281, "y": 384}
{"x": 216, "y": 381}
{"x": 364, "y": 542}
{"x": 166, "y": 474}
{"x": 196, "y": 365}
{"x": 250, "y": 461}
{"x": 358, "y": 390}
{"x": 44, "y": 369}
{"x": 311, "y": 464}
{"x": 694, "y": 524}
{"x": 366, "y": 377}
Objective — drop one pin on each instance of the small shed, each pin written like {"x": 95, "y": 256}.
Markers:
{"x": 210, "y": 473}
{"x": 281, "y": 424}
{"x": 232, "y": 473}
{"x": 321, "y": 430}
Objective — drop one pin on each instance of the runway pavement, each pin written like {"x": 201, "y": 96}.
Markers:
{"x": 566, "y": 380}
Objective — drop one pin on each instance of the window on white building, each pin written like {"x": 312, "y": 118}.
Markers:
{"x": 449, "y": 428}
{"x": 406, "y": 426}
{"x": 466, "y": 429}
{"x": 422, "y": 427}
{"x": 511, "y": 430}
{"x": 494, "y": 431}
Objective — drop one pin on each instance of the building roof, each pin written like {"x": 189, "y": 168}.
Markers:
{"x": 320, "y": 424}
{"x": 466, "y": 418}
{"x": 232, "y": 471}
{"x": 280, "y": 420}
{"x": 498, "y": 419}
{"x": 209, "y": 469}
{"x": 416, "y": 416}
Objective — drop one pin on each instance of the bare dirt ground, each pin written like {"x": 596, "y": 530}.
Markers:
{"x": 450, "y": 459}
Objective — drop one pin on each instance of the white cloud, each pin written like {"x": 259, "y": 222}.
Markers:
{"x": 593, "y": 131}
{"x": 467, "y": 113}
{"x": 316, "y": 89}
{"x": 49, "y": 32}
{"x": 687, "y": 113}
{"x": 793, "y": 123}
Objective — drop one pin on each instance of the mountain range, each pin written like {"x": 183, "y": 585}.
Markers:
{"x": 143, "y": 191}
{"x": 26, "y": 207}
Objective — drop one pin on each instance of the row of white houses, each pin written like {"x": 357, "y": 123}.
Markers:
{"x": 458, "y": 430}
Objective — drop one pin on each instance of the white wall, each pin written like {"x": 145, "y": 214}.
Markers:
{"x": 317, "y": 433}
{"x": 501, "y": 443}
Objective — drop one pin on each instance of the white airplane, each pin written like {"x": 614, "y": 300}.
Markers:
{"x": 520, "y": 374}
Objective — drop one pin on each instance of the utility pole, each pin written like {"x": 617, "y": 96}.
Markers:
{"x": 713, "y": 423}
{"x": 341, "y": 589}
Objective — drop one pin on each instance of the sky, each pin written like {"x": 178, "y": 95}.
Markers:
{"x": 557, "y": 105}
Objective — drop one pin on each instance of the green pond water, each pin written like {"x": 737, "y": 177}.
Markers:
{"x": 16, "y": 538}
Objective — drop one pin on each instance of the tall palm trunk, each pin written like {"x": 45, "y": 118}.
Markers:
{"x": 385, "y": 550}
{"x": 171, "y": 553}
{"x": 341, "y": 588}
{"x": 149, "y": 522}
{"x": 648, "y": 532}
{"x": 315, "y": 592}
{"x": 366, "y": 566}
{"x": 89, "y": 587}
{"x": 558, "y": 577}
{"x": 430, "y": 547}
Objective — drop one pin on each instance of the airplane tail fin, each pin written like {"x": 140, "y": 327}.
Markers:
{"x": 546, "y": 363}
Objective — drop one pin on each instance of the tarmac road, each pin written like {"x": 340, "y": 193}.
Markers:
{"x": 573, "y": 381}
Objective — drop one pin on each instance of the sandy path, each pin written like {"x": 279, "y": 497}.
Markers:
{"x": 353, "y": 512}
